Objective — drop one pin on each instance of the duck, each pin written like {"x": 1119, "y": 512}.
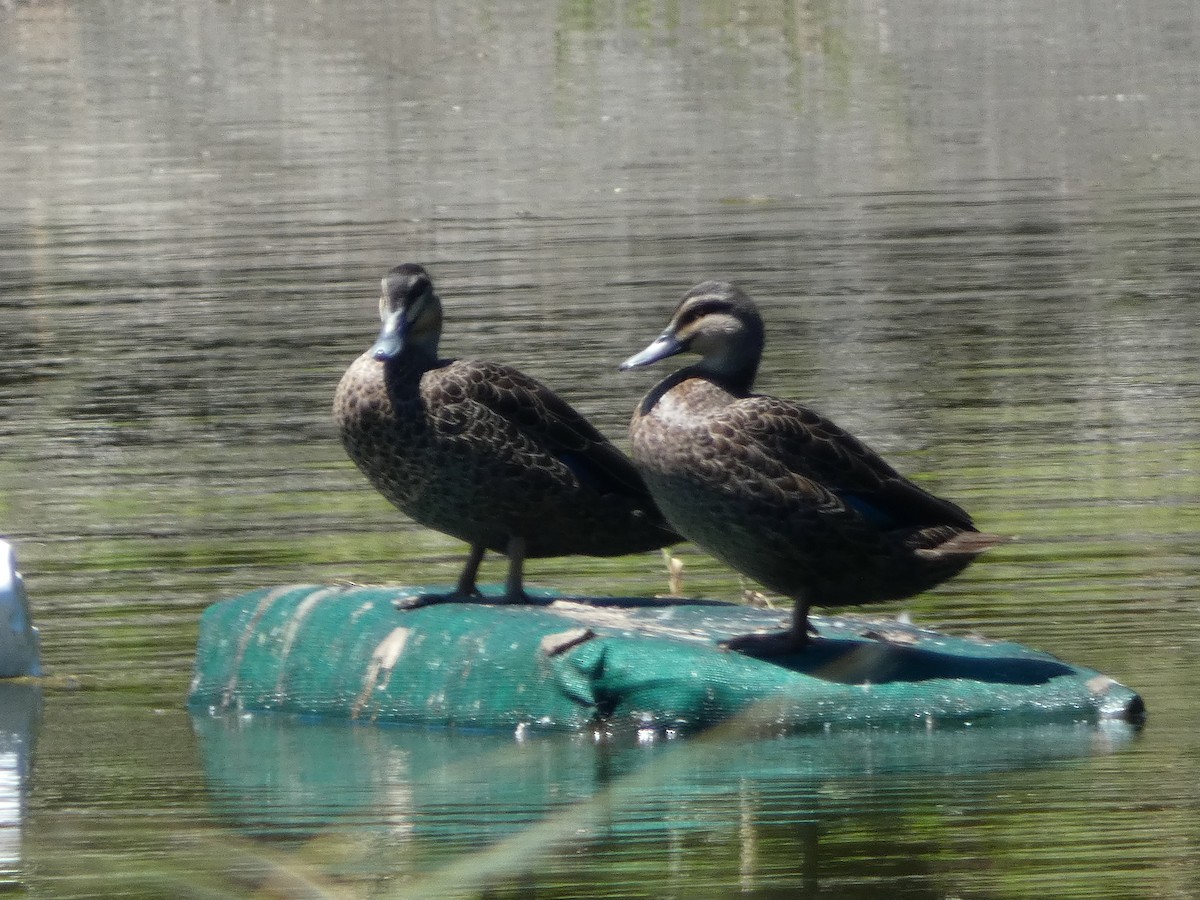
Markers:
{"x": 774, "y": 489}
{"x": 482, "y": 452}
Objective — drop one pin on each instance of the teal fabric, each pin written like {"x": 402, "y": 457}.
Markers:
{"x": 569, "y": 664}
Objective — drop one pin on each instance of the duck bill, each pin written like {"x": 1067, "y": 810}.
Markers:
{"x": 663, "y": 346}
{"x": 391, "y": 337}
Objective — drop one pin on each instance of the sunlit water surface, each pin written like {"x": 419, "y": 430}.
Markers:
{"x": 974, "y": 231}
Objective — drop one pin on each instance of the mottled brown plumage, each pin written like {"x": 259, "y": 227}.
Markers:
{"x": 482, "y": 452}
{"x": 775, "y": 490}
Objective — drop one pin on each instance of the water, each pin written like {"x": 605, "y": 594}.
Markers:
{"x": 973, "y": 231}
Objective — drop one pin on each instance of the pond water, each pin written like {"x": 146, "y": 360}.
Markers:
{"x": 974, "y": 232}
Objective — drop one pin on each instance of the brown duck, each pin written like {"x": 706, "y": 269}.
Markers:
{"x": 775, "y": 490}
{"x": 482, "y": 452}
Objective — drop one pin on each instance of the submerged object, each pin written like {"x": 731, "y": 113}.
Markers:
{"x": 562, "y": 663}
{"x": 19, "y": 641}
{"x": 482, "y": 452}
{"x": 774, "y": 489}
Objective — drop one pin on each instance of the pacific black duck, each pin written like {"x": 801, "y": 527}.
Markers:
{"x": 775, "y": 490}
{"x": 482, "y": 452}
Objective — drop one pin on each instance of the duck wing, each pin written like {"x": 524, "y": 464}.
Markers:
{"x": 812, "y": 447}
{"x": 546, "y": 420}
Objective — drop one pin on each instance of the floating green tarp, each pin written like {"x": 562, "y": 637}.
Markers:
{"x": 562, "y": 663}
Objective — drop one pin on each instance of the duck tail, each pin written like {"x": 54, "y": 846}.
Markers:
{"x": 964, "y": 543}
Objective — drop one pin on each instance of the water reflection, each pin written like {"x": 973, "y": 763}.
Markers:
{"x": 428, "y": 802}
{"x": 20, "y": 711}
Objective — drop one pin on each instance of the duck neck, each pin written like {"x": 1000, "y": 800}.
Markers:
{"x": 738, "y": 384}
{"x": 413, "y": 362}
{"x": 734, "y": 375}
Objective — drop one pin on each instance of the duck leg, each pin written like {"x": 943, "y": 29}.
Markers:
{"x": 514, "y": 590}
{"x": 466, "y": 591}
{"x": 466, "y": 581}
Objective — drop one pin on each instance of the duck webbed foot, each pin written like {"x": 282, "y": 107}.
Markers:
{"x": 776, "y": 643}
{"x": 464, "y": 592}
{"x": 768, "y": 645}
{"x": 416, "y": 601}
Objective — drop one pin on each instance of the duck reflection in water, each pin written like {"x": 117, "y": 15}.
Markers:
{"x": 775, "y": 490}
{"x": 482, "y": 452}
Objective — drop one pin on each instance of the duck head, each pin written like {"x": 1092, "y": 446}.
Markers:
{"x": 411, "y": 313}
{"x": 721, "y": 324}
